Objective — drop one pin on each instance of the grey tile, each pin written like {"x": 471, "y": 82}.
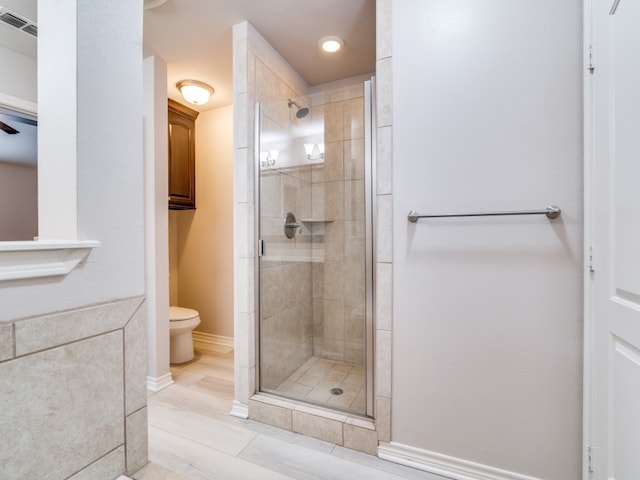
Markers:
{"x": 135, "y": 361}
{"x": 343, "y": 401}
{"x": 384, "y": 296}
{"x": 383, "y": 29}
{"x": 385, "y": 229}
{"x": 334, "y": 375}
{"x": 6, "y": 341}
{"x": 39, "y": 333}
{"x": 309, "y": 380}
{"x": 289, "y": 436}
{"x": 109, "y": 466}
{"x": 354, "y": 118}
{"x": 332, "y": 169}
{"x": 317, "y": 427}
{"x": 270, "y": 414}
{"x": 354, "y": 159}
{"x": 355, "y": 379}
{"x": 347, "y": 92}
{"x": 384, "y": 92}
{"x": 295, "y": 389}
{"x": 66, "y": 403}
{"x": 384, "y": 160}
{"x": 383, "y": 418}
{"x": 383, "y": 363}
{"x": 361, "y": 439}
{"x": 136, "y": 440}
{"x": 334, "y": 122}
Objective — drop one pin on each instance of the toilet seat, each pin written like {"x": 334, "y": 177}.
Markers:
{"x": 177, "y": 314}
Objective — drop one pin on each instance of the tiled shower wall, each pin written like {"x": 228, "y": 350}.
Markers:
{"x": 73, "y": 393}
{"x": 337, "y": 204}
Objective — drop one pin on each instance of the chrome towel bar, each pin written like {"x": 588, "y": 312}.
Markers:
{"x": 552, "y": 211}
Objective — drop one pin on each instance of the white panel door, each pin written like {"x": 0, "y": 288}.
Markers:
{"x": 616, "y": 280}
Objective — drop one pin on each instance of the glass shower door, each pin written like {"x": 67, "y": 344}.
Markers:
{"x": 313, "y": 263}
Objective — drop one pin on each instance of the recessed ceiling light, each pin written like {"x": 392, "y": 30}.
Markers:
{"x": 331, "y": 44}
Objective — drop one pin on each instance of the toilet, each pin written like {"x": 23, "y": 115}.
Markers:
{"x": 181, "y": 322}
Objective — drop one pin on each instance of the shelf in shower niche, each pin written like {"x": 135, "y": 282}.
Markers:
{"x": 315, "y": 220}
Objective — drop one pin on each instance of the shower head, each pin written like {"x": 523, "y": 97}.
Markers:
{"x": 302, "y": 111}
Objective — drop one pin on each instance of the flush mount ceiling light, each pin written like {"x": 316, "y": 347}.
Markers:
{"x": 331, "y": 44}
{"x": 194, "y": 91}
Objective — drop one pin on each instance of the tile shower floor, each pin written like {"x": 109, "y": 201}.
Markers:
{"x": 318, "y": 379}
{"x": 193, "y": 437}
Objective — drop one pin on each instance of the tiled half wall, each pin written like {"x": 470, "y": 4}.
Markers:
{"x": 73, "y": 393}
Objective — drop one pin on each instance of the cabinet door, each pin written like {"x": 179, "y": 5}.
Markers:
{"x": 182, "y": 156}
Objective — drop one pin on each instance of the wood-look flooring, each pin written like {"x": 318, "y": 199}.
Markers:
{"x": 193, "y": 437}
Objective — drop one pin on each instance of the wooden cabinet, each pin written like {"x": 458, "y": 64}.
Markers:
{"x": 182, "y": 156}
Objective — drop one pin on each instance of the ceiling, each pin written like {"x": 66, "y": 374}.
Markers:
{"x": 14, "y": 39}
{"x": 194, "y": 37}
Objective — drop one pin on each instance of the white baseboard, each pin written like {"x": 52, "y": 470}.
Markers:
{"x": 155, "y": 384}
{"x": 210, "y": 339}
{"x": 439, "y": 464}
{"x": 240, "y": 410}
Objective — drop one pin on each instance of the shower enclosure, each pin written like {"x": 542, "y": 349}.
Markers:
{"x": 315, "y": 253}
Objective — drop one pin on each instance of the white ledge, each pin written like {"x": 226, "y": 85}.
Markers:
{"x": 42, "y": 258}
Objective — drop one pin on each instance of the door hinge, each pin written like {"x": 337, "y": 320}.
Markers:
{"x": 590, "y": 264}
{"x": 260, "y": 247}
{"x": 590, "y": 66}
{"x": 590, "y": 458}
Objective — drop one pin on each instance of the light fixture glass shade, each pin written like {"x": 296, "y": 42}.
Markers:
{"x": 308, "y": 148}
{"x": 331, "y": 44}
{"x": 194, "y": 91}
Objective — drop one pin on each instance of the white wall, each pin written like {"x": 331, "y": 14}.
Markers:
{"x": 19, "y": 75}
{"x": 205, "y": 236}
{"x": 487, "y": 320}
{"x": 156, "y": 220}
{"x": 109, "y": 164}
{"x": 86, "y": 363}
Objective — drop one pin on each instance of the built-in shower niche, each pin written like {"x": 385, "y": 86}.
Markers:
{"x": 313, "y": 286}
